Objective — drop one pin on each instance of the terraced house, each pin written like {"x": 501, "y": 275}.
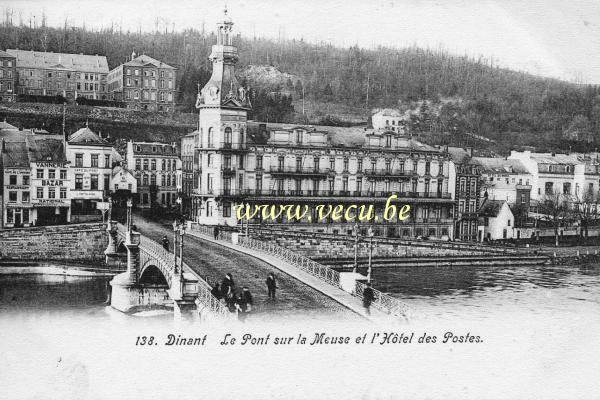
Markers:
{"x": 157, "y": 169}
{"x": 8, "y": 77}
{"x": 144, "y": 83}
{"x": 241, "y": 162}
{"x": 68, "y": 75}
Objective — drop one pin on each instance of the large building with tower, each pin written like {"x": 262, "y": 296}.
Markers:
{"x": 241, "y": 162}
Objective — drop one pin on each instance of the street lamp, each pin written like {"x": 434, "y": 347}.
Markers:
{"x": 175, "y": 230}
{"x": 180, "y": 202}
{"x": 370, "y": 234}
{"x": 355, "y": 247}
{"x": 129, "y": 216}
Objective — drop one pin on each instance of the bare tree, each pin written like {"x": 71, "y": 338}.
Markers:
{"x": 555, "y": 208}
{"x": 586, "y": 211}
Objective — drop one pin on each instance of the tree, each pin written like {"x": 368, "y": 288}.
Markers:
{"x": 555, "y": 208}
{"x": 585, "y": 210}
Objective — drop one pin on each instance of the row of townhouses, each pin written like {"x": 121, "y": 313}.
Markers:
{"x": 50, "y": 179}
{"x": 142, "y": 83}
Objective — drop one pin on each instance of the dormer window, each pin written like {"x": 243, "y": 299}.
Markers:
{"x": 388, "y": 140}
{"x": 154, "y": 149}
{"x": 138, "y": 148}
{"x": 299, "y": 137}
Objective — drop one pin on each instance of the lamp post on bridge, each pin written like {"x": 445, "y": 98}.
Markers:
{"x": 129, "y": 214}
{"x": 175, "y": 231}
{"x": 369, "y": 273}
{"x": 355, "y": 269}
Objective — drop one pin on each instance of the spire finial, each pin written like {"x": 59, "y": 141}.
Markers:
{"x": 86, "y": 123}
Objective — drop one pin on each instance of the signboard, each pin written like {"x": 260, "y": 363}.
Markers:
{"x": 52, "y": 182}
{"x": 103, "y": 205}
{"x": 50, "y": 164}
{"x": 17, "y": 171}
{"x": 17, "y": 187}
{"x": 86, "y": 194}
{"x": 50, "y": 203}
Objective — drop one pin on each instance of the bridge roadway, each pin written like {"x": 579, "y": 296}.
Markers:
{"x": 212, "y": 261}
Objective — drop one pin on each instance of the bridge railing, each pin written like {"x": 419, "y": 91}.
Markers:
{"x": 165, "y": 258}
{"x": 382, "y": 301}
{"x": 210, "y": 232}
{"x": 304, "y": 263}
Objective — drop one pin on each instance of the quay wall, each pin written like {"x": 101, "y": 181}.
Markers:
{"x": 326, "y": 246}
{"x": 80, "y": 242}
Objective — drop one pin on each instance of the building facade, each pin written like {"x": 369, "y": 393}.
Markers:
{"x": 496, "y": 221}
{"x": 189, "y": 168}
{"x": 157, "y": 169}
{"x": 391, "y": 120}
{"x": 465, "y": 175}
{"x": 91, "y": 161}
{"x": 67, "y": 75}
{"x": 16, "y": 184}
{"x": 8, "y": 77}
{"x": 144, "y": 84}
{"x": 252, "y": 163}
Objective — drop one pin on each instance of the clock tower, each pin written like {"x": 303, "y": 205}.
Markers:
{"x": 221, "y": 138}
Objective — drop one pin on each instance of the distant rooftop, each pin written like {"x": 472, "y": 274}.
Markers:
{"x": 142, "y": 60}
{"x": 496, "y": 165}
{"x": 64, "y": 61}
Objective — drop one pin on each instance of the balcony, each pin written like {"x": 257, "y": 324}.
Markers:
{"x": 228, "y": 170}
{"x": 232, "y": 147}
{"x": 344, "y": 194}
{"x": 303, "y": 171}
{"x": 389, "y": 173}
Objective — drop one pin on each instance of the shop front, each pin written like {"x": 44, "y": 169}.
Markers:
{"x": 51, "y": 212}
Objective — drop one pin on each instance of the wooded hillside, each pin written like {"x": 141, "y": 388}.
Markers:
{"x": 473, "y": 96}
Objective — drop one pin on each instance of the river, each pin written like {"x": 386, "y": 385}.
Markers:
{"x": 538, "y": 328}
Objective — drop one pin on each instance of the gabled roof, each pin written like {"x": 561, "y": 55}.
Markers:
{"x": 46, "y": 148}
{"x": 142, "y": 60}
{"x": 15, "y": 155}
{"x": 494, "y": 165}
{"x": 491, "y": 208}
{"x": 458, "y": 154}
{"x": 119, "y": 168}
{"x": 87, "y": 136}
{"x": 46, "y": 60}
{"x": 553, "y": 158}
{"x": 4, "y": 54}
{"x": 6, "y": 125}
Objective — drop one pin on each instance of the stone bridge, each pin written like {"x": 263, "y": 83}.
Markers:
{"x": 156, "y": 278}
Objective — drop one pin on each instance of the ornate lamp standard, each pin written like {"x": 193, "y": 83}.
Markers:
{"x": 180, "y": 202}
{"x": 356, "y": 232}
{"x": 129, "y": 214}
{"x": 370, "y": 234}
{"x": 175, "y": 230}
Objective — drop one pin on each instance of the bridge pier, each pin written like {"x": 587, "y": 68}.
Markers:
{"x": 112, "y": 257}
{"x": 127, "y": 294}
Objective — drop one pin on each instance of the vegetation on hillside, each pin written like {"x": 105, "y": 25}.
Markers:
{"x": 471, "y": 96}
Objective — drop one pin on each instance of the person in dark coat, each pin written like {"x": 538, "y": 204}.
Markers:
{"x": 165, "y": 243}
{"x": 228, "y": 291}
{"x": 368, "y": 297}
{"x": 244, "y": 304}
{"x": 271, "y": 285}
{"x": 216, "y": 232}
{"x": 216, "y": 291}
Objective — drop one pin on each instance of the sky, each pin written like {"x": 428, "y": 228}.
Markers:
{"x": 552, "y": 38}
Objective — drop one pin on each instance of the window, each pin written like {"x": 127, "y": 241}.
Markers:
{"x": 12, "y": 180}
{"x": 63, "y": 193}
{"x": 26, "y": 180}
{"x": 79, "y": 181}
{"x": 427, "y": 168}
{"x": 388, "y": 141}
{"x": 94, "y": 182}
{"x": 153, "y": 165}
{"x": 25, "y": 197}
{"x": 316, "y": 163}
{"x": 39, "y": 192}
{"x": 138, "y": 164}
{"x": 51, "y": 174}
{"x": 153, "y": 180}
{"x": 210, "y": 137}
{"x": 79, "y": 160}
{"x": 298, "y": 163}
{"x": 107, "y": 161}
{"x": 549, "y": 188}
{"x": 145, "y": 164}
{"x": 226, "y": 209}
{"x": 228, "y": 135}
{"x": 145, "y": 180}
{"x": 360, "y": 165}
{"x": 12, "y": 196}
{"x": 259, "y": 162}
{"x": 62, "y": 174}
{"x": 332, "y": 164}
{"x": 51, "y": 192}
{"x": 567, "y": 188}
{"x": 106, "y": 182}
{"x": 388, "y": 165}
{"x": 346, "y": 162}
{"x": 40, "y": 174}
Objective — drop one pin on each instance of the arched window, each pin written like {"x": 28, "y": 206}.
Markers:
{"x": 228, "y": 135}
{"x": 209, "y": 139}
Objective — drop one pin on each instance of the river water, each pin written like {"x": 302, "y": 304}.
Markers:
{"x": 538, "y": 328}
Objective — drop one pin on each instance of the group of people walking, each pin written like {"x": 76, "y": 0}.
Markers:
{"x": 240, "y": 302}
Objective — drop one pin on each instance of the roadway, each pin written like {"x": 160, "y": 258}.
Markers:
{"x": 212, "y": 261}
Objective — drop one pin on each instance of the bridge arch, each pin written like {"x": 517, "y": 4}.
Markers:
{"x": 150, "y": 274}
{"x": 121, "y": 246}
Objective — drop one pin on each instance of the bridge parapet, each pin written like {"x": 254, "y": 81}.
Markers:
{"x": 186, "y": 287}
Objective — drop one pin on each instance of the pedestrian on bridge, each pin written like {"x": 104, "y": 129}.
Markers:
{"x": 271, "y": 285}
{"x": 368, "y": 297}
{"x": 244, "y": 304}
{"x": 228, "y": 291}
{"x": 216, "y": 291}
{"x": 165, "y": 243}
{"x": 216, "y": 232}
